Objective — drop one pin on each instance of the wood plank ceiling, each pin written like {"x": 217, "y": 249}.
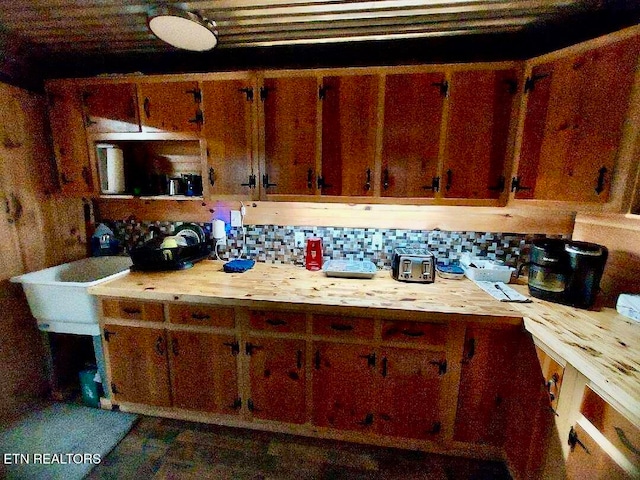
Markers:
{"x": 91, "y": 27}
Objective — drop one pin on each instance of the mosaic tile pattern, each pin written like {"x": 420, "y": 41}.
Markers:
{"x": 275, "y": 243}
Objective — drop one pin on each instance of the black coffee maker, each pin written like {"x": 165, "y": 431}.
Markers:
{"x": 565, "y": 271}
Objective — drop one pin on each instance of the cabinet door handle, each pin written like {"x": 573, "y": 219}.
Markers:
{"x": 626, "y": 442}
{"x": 174, "y": 346}
{"x": 552, "y": 384}
{"x": 601, "y": 177}
{"x": 160, "y": 346}
{"x": 299, "y": 359}
{"x": 200, "y": 316}
{"x": 367, "y": 421}
{"x": 449, "y": 180}
{"x": 367, "y": 184}
{"x": 131, "y": 310}
{"x": 384, "y": 366}
{"x": 310, "y": 179}
{"x": 147, "y": 107}
{"x": 412, "y": 333}
{"x": 212, "y": 176}
{"x": 341, "y": 327}
{"x": 317, "y": 360}
{"x": 385, "y": 179}
{"x": 470, "y": 350}
{"x": 276, "y": 322}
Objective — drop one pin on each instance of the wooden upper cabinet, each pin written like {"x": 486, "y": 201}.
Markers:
{"x": 69, "y": 140}
{"x": 138, "y": 364}
{"x": 278, "y": 380}
{"x": 478, "y": 133}
{"x": 170, "y": 107}
{"x": 290, "y": 121}
{"x": 409, "y": 393}
{"x": 227, "y": 107}
{"x": 576, "y": 107}
{"x": 349, "y": 124}
{"x": 204, "y": 372}
{"x": 411, "y": 140}
{"x": 110, "y": 108}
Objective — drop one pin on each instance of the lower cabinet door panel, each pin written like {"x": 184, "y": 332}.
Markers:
{"x": 589, "y": 462}
{"x": 484, "y": 386}
{"x": 409, "y": 393}
{"x": 204, "y": 372}
{"x": 138, "y": 364}
{"x": 344, "y": 386}
{"x": 278, "y": 380}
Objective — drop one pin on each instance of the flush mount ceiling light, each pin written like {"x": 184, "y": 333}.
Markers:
{"x": 182, "y": 29}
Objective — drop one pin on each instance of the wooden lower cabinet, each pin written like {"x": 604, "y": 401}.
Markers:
{"x": 588, "y": 461}
{"x": 344, "y": 386}
{"x": 409, "y": 393}
{"x": 138, "y": 365}
{"x": 204, "y": 372}
{"x": 485, "y": 385}
{"x": 278, "y": 379}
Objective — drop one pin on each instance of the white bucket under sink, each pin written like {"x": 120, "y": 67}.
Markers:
{"x": 58, "y": 296}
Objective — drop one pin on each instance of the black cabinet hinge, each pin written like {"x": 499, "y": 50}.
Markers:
{"x": 248, "y": 91}
{"x": 530, "y": 82}
{"x": 443, "y": 86}
{"x": 197, "y": 94}
{"x": 317, "y": 360}
{"x": 265, "y": 181}
{"x": 512, "y": 85}
{"x": 516, "y": 186}
{"x": 368, "y": 420}
{"x": 236, "y": 405}
{"x": 441, "y": 364}
{"x": 264, "y": 92}
{"x": 371, "y": 359}
{"x": 114, "y": 389}
{"x": 251, "y": 406}
{"x": 198, "y": 118}
{"x": 250, "y": 347}
{"x": 499, "y": 187}
{"x": 322, "y": 184}
{"x": 107, "y": 335}
{"x": 322, "y": 91}
{"x": 235, "y": 347}
{"x": 435, "y": 185}
{"x": 251, "y": 183}
{"x": 601, "y": 178}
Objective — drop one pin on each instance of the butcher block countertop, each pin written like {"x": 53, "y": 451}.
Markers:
{"x": 603, "y": 345}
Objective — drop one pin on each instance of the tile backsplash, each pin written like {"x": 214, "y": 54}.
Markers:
{"x": 275, "y": 243}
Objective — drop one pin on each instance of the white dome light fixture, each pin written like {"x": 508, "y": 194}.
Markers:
{"x": 182, "y": 29}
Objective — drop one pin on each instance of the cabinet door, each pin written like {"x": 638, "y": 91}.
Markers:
{"x": 290, "y": 119}
{"x": 204, "y": 372}
{"x": 138, "y": 365}
{"x": 484, "y": 386}
{"x": 343, "y": 386}
{"x": 110, "y": 108}
{"x": 170, "y": 107}
{"x": 411, "y": 139}
{"x": 227, "y": 106}
{"x": 69, "y": 140}
{"x": 478, "y": 133}
{"x": 409, "y": 393}
{"x": 552, "y": 373}
{"x": 278, "y": 379}
{"x": 590, "y": 462}
{"x": 574, "y": 121}
{"x": 349, "y": 123}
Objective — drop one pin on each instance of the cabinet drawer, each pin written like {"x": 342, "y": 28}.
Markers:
{"x": 414, "y": 332}
{"x": 346, "y": 327}
{"x": 615, "y": 427}
{"x": 133, "y": 310}
{"x": 202, "y": 315}
{"x": 285, "y": 322}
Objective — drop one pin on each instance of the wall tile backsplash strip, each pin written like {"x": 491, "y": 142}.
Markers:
{"x": 275, "y": 244}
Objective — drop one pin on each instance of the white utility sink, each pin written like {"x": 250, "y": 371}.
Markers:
{"x": 58, "y": 296}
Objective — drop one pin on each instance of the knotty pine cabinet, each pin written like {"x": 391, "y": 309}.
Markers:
{"x": 170, "y": 107}
{"x": 575, "y": 113}
{"x": 66, "y": 117}
{"x": 110, "y": 108}
{"x": 413, "y": 104}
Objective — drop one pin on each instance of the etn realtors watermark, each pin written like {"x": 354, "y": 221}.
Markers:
{"x": 51, "y": 458}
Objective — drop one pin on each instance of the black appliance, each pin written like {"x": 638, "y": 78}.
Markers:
{"x": 413, "y": 265}
{"x": 565, "y": 271}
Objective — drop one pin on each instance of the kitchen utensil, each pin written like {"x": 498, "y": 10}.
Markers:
{"x": 174, "y": 186}
{"x": 413, "y": 265}
{"x": 313, "y": 257}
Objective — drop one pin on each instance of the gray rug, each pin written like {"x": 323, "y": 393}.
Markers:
{"x": 60, "y": 441}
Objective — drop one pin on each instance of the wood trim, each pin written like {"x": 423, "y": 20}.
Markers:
{"x": 482, "y": 219}
{"x": 377, "y": 163}
{"x": 585, "y": 46}
{"x": 627, "y": 222}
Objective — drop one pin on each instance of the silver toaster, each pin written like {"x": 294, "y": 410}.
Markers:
{"x": 413, "y": 265}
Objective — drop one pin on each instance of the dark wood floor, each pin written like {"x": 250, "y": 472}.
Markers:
{"x": 169, "y": 449}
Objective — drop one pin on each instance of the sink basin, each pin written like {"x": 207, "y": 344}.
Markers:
{"x": 58, "y": 297}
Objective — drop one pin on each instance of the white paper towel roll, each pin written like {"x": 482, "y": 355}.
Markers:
{"x": 115, "y": 171}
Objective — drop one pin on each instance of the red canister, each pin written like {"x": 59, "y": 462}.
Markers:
{"x": 313, "y": 257}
